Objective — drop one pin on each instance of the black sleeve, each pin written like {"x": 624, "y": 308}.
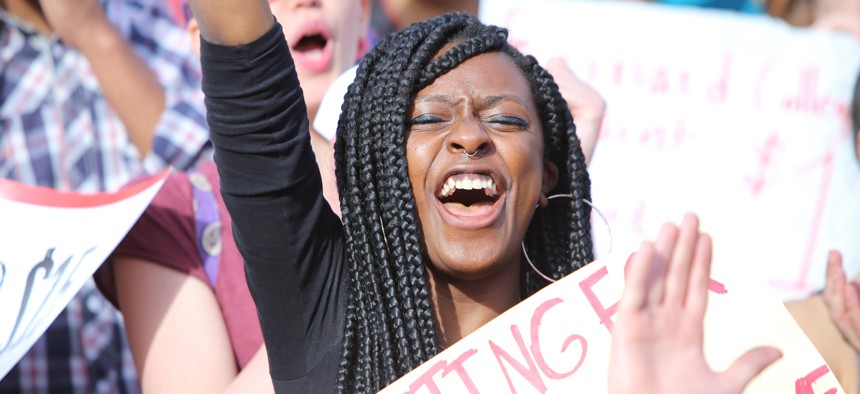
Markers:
{"x": 289, "y": 237}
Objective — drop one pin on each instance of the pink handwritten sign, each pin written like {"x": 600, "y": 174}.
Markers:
{"x": 739, "y": 118}
{"x": 558, "y": 341}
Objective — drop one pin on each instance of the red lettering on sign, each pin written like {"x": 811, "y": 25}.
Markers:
{"x": 716, "y": 287}
{"x": 807, "y": 99}
{"x": 660, "y": 81}
{"x": 604, "y": 314}
{"x": 765, "y": 159}
{"x": 719, "y": 90}
{"x": 536, "y": 348}
{"x": 427, "y": 381}
{"x": 815, "y": 228}
{"x": 804, "y": 384}
{"x": 457, "y": 366}
{"x": 528, "y": 371}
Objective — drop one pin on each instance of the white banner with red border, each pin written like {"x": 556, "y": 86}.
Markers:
{"x": 51, "y": 243}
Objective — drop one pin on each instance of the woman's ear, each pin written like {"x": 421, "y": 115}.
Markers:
{"x": 550, "y": 176}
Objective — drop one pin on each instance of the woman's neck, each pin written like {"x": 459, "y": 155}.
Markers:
{"x": 462, "y": 306}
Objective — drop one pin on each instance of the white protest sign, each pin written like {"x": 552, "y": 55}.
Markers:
{"x": 52, "y": 242}
{"x": 741, "y": 119}
{"x": 558, "y": 340}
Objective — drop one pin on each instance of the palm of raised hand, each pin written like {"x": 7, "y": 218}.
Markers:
{"x": 659, "y": 353}
{"x": 658, "y": 337}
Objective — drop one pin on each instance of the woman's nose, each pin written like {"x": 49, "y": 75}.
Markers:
{"x": 469, "y": 137}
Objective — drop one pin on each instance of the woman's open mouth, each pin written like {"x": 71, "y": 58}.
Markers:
{"x": 312, "y": 49}
{"x": 470, "y": 200}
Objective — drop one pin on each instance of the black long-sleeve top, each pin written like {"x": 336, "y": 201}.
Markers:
{"x": 290, "y": 239}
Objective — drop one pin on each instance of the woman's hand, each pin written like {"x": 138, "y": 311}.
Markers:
{"x": 843, "y": 300}
{"x": 232, "y": 22}
{"x": 77, "y": 22}
{"x": 658, "y": 337}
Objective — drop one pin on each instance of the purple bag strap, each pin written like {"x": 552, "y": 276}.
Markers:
{"x": 207, "y": 225}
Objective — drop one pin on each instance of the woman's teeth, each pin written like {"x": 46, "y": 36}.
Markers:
{"x": 469, "y": 182}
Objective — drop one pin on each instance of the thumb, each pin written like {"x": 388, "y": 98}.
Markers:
{"x": 748, "y": 366}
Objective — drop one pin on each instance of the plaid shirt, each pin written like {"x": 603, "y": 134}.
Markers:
{"x": 57, "y": 130}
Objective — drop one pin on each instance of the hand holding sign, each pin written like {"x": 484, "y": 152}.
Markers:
{"x": 657, "y": 342}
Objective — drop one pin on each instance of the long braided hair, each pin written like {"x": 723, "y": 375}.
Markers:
{"x": 390, "y": 328}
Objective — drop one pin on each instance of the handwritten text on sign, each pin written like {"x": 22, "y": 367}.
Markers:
{"x": 741, "y": 119}
{"x": 52, "y": 242}
{"x": 558, "y": 340}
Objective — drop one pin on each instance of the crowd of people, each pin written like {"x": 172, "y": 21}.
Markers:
{"x": 280, "y": 257}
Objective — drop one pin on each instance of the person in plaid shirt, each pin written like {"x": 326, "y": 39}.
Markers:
{"x": 92, "y": 93}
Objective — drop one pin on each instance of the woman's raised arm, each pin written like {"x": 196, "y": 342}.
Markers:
{"x": 232, "y": 22}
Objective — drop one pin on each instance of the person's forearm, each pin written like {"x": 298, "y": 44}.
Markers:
{"x": 129, "y": 85}
{"x": 232, "y": 22}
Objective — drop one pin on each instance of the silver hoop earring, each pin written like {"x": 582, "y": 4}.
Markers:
{"x": 470, "y": 155}
{"x": 570, "y": 196}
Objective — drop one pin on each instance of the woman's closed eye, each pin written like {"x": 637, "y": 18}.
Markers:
{"x": 508, "y": 121}
{"x": 425, "y": 119}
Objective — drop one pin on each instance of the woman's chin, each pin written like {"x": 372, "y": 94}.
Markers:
{"x": 468, "y": 267}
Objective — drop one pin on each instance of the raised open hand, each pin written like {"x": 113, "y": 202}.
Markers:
{"x": 843, "y": 300}
{"x": 658, "y": 337}
{"x": 586, "y": 105}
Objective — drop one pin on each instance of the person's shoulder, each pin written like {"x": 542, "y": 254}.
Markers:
{"x": 175, "y": 193}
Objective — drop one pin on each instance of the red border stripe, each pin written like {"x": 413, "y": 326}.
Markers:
{"x": 37, "y": 195}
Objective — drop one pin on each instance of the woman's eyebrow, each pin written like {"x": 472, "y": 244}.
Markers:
{"x": 486, "y": 101}
{"x": 437, "y": 98}
{"x": 494, "y": 100}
